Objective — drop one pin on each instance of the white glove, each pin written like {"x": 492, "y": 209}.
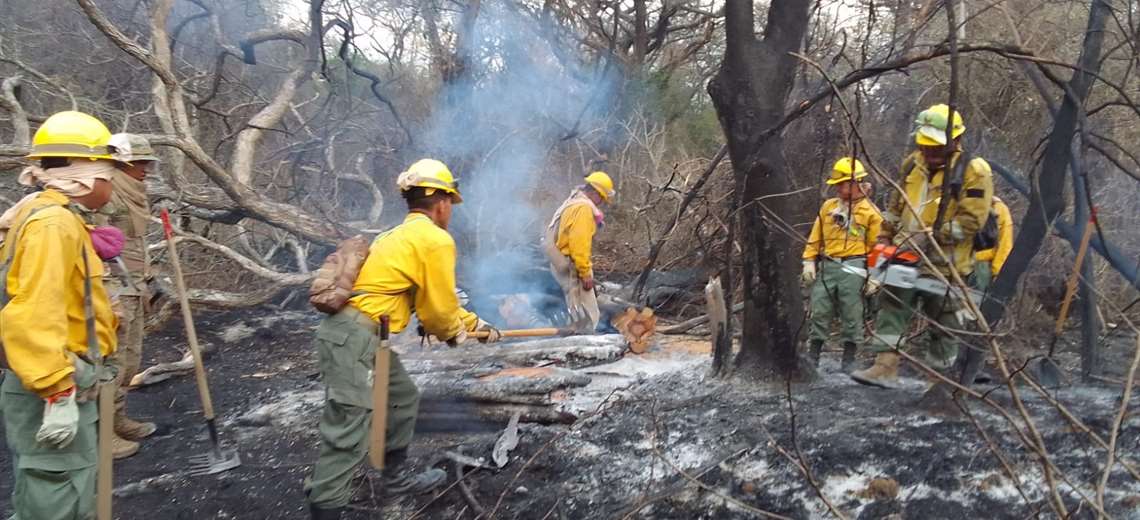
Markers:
{"x": 459, "y": 338}
{"x": 871, "y": 287}
{"x": 61, "y": 420}
{"x": 808, "y": 275}
{"x": 493, "y": 334}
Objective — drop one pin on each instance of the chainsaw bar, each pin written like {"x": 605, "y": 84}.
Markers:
{"x": 906, "y": 277}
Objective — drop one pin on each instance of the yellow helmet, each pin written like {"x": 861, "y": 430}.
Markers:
{"x": 930, "y": 126}
{"x": 846, "y": 169}
{"x": 71, "y": 134}
{"x": 432, "y": 175}
{"x": 602, "y": 183}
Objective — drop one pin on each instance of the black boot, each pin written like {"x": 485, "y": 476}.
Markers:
{"x": 816, "y": 350}
{"x": 848, "y": 363}
{"x": 400, "y": 478}
{"x": 325, "y": 514}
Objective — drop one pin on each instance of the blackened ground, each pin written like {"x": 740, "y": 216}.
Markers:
{"x": 628, "y": 457}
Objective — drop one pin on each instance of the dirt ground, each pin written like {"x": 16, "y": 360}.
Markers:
{"x": 650, "y": 428}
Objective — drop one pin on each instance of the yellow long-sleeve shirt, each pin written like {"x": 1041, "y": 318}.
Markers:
{"x": 963, "y": 218}
{"x": 411, "y": 268}
{"x": 576, "y": 231}
{"x": 997, "y": 255}
{"x": 44, "y": 319}
{"x": 832, "y": 239}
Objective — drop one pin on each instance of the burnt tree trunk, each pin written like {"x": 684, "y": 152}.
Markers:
{"x": 750, "y": 92}
{"x": 1046, "y": 199}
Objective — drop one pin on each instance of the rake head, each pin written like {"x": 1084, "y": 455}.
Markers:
{"x": 216, "y": 461}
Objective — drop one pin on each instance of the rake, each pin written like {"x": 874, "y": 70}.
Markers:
{"x": 217, "y": 460}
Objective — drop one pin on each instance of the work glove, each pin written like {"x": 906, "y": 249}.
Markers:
{"x": 588, "y": 283}
{"x": 871, "y": 287}
{"x": 61, "y": 420}
{"x": 108, "y": 241}
{"x": 808, "y": 275}
{"x": 459, "y": 338}
{"x": 951, "y": 233}
{"x": 493, "y": 334}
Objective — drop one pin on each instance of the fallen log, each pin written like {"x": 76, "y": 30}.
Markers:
{"x": 538, "y": 386}
{"x": 573, "y": 351}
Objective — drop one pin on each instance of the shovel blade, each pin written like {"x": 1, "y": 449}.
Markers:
{"x": 214, "y": 462}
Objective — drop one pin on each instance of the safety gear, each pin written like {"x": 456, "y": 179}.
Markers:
{"x": 871, "y": 287}
{"x": 131, "y": 429}
{"x": 122, "y": 448}
{"x": 602, "y": 183}
{"x": 61, "y": 420}
{"x": 567, "y": 244}
{"x": 130, "y": 148}
{"x": 432, "y": 175}
{"x": 332, "y": 286}
{"x": 846, "y": 169}
{"x": 930, "y": 126}
{"x": 816, "y": 349}
{"x": 808, "y": 275}
{"x": 923, "y": 191}
{"x": 71, "y": 134}
{"x": 48, "y": 243}
{"x": 837, "y": 294}
{"x": 848, "y": 362}
{"x": 108, "y": 241}
{"x": 342, "y": 341}
{"x": 494, "y": 335}
{"x": 997, "y": 255}
{"x": 412, "y": 266}
{"x": 855, "y": 236}
{"x": 316, "y": 513}
{"x": 884, "y": 373}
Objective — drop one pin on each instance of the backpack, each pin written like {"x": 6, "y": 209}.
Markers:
{"x": 987, "y": 236}
{"x": 332, "y": 286}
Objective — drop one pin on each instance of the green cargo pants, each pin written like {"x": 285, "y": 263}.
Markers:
{"x": 48, "y": 484}
{"x": 896, "y": 309}
{"x": 983, "y": 276}
{"x": 837, "y": 293}
{"x": 128, "y": 355}
{"x": 346, "y": 345}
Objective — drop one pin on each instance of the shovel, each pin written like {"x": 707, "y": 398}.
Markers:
{"x": 1046, "y": 369}
{"x": 218, "y": 460}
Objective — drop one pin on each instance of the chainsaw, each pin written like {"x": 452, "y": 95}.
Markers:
{"x": 888, "y": 265}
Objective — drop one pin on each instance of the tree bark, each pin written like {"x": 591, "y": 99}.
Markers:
{"x": 1046, "y": 200}
{"x": 749, "y": 93}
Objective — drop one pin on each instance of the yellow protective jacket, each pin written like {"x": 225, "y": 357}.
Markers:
{"x": 996, "y": 255}
{"x": 854, "y": 236}
{"x": 576, "y": 230}
{"x": 44, "y": 319}
{"x": 964, "y": 216}
{"x": 411, "y": 268}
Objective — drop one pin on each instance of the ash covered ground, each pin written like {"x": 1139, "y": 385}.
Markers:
{"x": 655, "y": 439}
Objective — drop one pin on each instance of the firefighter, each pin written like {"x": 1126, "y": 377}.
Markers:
{"x": 130, "y": 212}
{"x": 568, "y": 243}
{"x": 965, "y": 214}
{"x": 845, "y": 230}
{"x": 47, "y": 397}
{"x": 410, "y": 268}
{"x": 988, "y": 262}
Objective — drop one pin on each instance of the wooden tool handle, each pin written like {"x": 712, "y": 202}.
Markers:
{"x": 104, "y": 479}
{"x": 1074, "y": 276}
{"x": 188, "y": 319}
{"x": 378, "y": 431}
{"x": 524, "y": 333}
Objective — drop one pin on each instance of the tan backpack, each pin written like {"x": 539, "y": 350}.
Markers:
{"x": 332, "y": 287}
